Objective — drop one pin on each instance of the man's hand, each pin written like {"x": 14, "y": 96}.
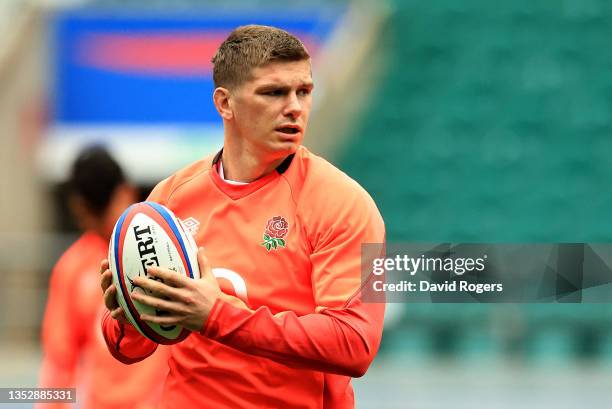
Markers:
{"x": 187, "y": 302}
{"x": 110, "y": 293}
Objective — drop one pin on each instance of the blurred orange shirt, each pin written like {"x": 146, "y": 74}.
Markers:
{"x": 288, "y": 245}
{"x": 75, "y": 354}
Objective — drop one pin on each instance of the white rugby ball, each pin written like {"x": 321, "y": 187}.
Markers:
{"x": 149, "y": 234}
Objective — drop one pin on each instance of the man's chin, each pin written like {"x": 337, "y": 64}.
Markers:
{"x": 286, "y": 148}
{"x": 279, "y": 149}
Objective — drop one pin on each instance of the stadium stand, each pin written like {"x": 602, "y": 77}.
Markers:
{"x": 491, "y": 123}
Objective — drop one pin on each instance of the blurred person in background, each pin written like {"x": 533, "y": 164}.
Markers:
{"x": 75, "y": 354}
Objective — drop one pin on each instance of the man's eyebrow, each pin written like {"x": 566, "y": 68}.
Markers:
{"x": 275, "y": 85}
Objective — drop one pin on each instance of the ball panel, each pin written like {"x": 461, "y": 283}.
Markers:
{"x": 172, "y": 222}
{"x": 123, "y": 295}
{"x": 192, "y": 249}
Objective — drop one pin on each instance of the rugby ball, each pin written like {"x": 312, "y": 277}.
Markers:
{"x": 149, "y": 234}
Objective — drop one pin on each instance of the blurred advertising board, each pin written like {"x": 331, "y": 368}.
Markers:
{"x": 141, "y": 83}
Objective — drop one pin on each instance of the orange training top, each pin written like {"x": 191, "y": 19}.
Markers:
{"x": 75, "y": 354}
{"x": 289, "y": 246}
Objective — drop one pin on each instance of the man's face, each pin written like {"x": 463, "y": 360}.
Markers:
{"x": 271, "y": 109}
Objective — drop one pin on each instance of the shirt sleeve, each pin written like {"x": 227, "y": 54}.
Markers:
{"x": 342, "y": 341}
{"x": 124, "y": 341}
{"x": 343, "y": 335}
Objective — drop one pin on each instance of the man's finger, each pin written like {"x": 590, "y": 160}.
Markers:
{"x": 163, "y": 319}
{"x": 156, "y": 287}
{"x": 106, "y": 280}
{"x": 103, "y": 266}
{"x": 159, "y": 303}
{"x": 170, "y": 278}
{"x": 119, "y": 315}
{"x": 110, "y": 298}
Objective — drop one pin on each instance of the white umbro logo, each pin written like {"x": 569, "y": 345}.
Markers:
{"x": 191, "y": 225}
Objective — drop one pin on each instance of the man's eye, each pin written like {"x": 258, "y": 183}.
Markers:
{"x": 274, "y": 93}
{"x": 304, "y": 92}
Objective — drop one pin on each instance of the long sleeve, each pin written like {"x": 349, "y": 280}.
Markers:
{"x": 124, "y": 342}
{"x": 342, "y": 341}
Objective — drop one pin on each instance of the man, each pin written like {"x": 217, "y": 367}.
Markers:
{"x": 75, "y": 354}
{"x": 283, "y": 325}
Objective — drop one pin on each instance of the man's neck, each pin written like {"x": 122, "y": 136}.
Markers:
{"x": 243, "y": 166}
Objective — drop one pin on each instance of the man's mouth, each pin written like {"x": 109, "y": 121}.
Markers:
{"x": 290, "y": 130}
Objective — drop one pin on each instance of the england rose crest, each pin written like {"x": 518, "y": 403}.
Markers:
{"x": 274, "y": 235}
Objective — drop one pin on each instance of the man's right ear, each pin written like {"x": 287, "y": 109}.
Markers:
{"x": 221, "y": 98}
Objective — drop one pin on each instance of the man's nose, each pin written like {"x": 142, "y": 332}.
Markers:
{"x": 293, "y": 107}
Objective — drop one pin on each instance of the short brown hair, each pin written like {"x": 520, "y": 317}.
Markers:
{"x": 253, "y": 46}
